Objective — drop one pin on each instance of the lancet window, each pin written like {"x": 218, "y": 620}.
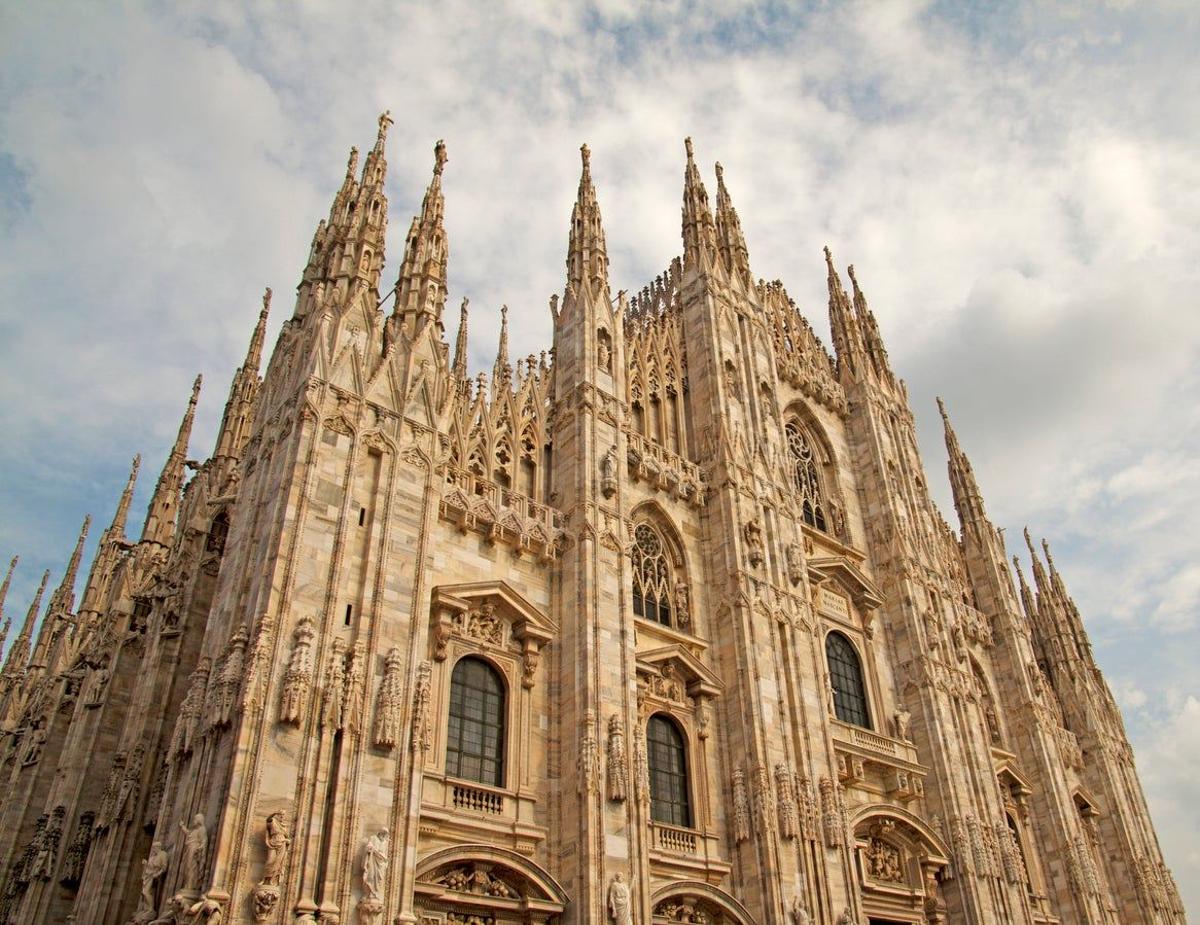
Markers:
{"x": 475, "y": 737}
{"x": 846, "y": 678}
{"x": 805, "y": 475}
{"x": 652, "y": 584}
{"x": 670, "y": 801}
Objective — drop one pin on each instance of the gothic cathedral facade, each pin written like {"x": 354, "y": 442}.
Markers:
{"x": 661, "y": 626}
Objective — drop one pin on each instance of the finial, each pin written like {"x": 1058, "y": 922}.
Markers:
{"x": 439, "y": 158}
{"x": 720, "y": 173}
{"x": 829, "y": 258}
{"x": 942, "y": 409}
{"x": 462, "y": 311}
{"x": 1029, "y": 543}
{"x": 586, "y": 154}
{"x": 352, "y": 162}
{"x": 266, "y": 301}
{"x": 196, "y": 389}
{"x": 850, "y": 273}
{"x": 687, "y": 146}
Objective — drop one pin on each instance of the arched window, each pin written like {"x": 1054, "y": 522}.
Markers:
{"x": 475, "y": 740}
{"x": 651, "y": 576}
{"x": 218, "y": 533}
{"x": 845, "y": 674}
{"x": 805, "y": 478}
{"x": 667, "y": 757}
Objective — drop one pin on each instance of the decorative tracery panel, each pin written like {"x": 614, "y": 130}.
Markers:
{"x": 653, "y": 588}
{"x": 805, "y": 476}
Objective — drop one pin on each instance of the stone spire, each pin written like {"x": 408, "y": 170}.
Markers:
{"x": 18, "y": 655}
{"x": 160, "y": 518}
{"x": 12, "y": 565}
{"x": 968, "y": 500}
{"x": 238, "y": 416}
{"x": 421, "y": 286}
{"x": 731, "y": 241}
{"x": 587, "y": 254}
{"x": 501, "y": 371}
{"x": 699, "y": 229}
{"x": 869, "y": 328}
{"x": 63, "y": 599}
{"x": 847, "y": 341}
{"x": 349, "y": 245}
{"x": 116, "y": 530}
{"x": 1027, "y": 601}
{"x": 460, "y": 344}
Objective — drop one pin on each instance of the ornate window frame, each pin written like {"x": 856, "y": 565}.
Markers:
{"x": 492, "y": 622}
{"x": 825, "y": 493}
{"x": 675, "y": 683}
{"x": 679, "y": 585}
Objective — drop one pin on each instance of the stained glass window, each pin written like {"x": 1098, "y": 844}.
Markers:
{"x": 651, "y": 576}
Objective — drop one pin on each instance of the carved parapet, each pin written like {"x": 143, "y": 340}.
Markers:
{"x": 887, "y": 763}
{"x": 504, "y": 516}
{"x": 664, "y": 471}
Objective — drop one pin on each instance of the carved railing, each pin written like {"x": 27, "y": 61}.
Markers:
{"x": 674, "y": 839}
{"x": 500, "y": 513}
{"x": 656, "y": 465}
{"x": 477, "y": 800}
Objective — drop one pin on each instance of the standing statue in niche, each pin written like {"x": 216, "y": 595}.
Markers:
{"x": 375, "y": 860}
{"x": 754, "y": 540}
{"x": 279, "y": 841}
{"x": 195, "y": 848}
{"x": 153, "y": 868}
{"x": 619, "y": 902}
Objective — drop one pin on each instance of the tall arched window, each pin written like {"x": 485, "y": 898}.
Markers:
{"x": 475, "y": 740}
{"x": 845, "y": 674}
{"x": 651, "y": 576}
{"x": 805, "y": 477}
{"x": 667, "y": 758}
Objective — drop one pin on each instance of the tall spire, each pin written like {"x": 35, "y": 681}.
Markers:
{"x": 869, "y": 328}
{"x": 699, "y": 229}
{"x": 421, "y": 286}
{"x": 160, "y": 518}
{"x": 732, "y": 242}
{"x": 116, "y": 530}
{"x": 349, "y": 246}
{"x": 238, "y": 416}
{"x": 842, "y": 324}
{"x": 63, "y": 599}
{"x": 1027, "y": 601}
{"x": 460, "y": 344}
{"x": 1039, "y": 573}
{"x": 501, "y": 371}
{"x": 18, "y": 655}
{"x": 968, "y": 500}
{"x": 12, "y": 565}
{"x": 587, "y": 253}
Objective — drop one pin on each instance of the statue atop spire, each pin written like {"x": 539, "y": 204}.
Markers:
{"x": 968, "y": 499}
{"x": 847, "y": 341}
{"x": 12, "y": 565}
{"x": 238, "y": 417}
{"x": 63, "y": 599}
{"x": 160, "y": 518}
{"x": 18, "y": 655}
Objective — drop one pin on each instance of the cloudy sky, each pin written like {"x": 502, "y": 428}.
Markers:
{"x": 1018, "y": 186}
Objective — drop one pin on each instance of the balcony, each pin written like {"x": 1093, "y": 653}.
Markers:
{"x": 876, "y": 762}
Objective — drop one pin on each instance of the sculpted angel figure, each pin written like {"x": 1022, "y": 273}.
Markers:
{"x": 279, "y": 841}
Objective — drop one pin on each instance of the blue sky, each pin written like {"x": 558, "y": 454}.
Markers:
{"x": 1018, "y": 186}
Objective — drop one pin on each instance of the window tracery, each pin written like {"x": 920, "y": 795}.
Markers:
{"x": 805, "y": 475}
{"x": 653, "y": 588}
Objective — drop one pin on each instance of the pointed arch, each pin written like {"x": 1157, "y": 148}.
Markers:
{"x": 661, "y": 591}
{"x": 719, "y": 906}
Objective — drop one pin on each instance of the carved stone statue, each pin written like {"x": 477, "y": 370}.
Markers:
{"x": 903, "y": 725}
{"x": 619, "y": 903}
{"x": 298, "y": 679}
{"x": 279, "y": 842}
{"x": 618, "y": 775}
{"x": 798, "y": 913}
{"x": 795, "y": 563}
{"x": 153, "y": 868}
{"x": 195, "y": 849}
{"x": 375, "y": 860}
{"x": 846, "y": 918}
{"x": 683, "y": 604}
{"x": 754, "y": 541}
{"x": 608, "y": 473}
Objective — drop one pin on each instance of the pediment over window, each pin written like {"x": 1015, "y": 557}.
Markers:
{"x": 676, "y": 663}
{"x": 849, "y": 577}
{"x": 490, "y": 614}
{"x": 1013, "y": 780}
{"x": 487, "y": 879}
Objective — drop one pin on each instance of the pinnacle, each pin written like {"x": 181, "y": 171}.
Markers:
{"x": 439, "y": 158}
